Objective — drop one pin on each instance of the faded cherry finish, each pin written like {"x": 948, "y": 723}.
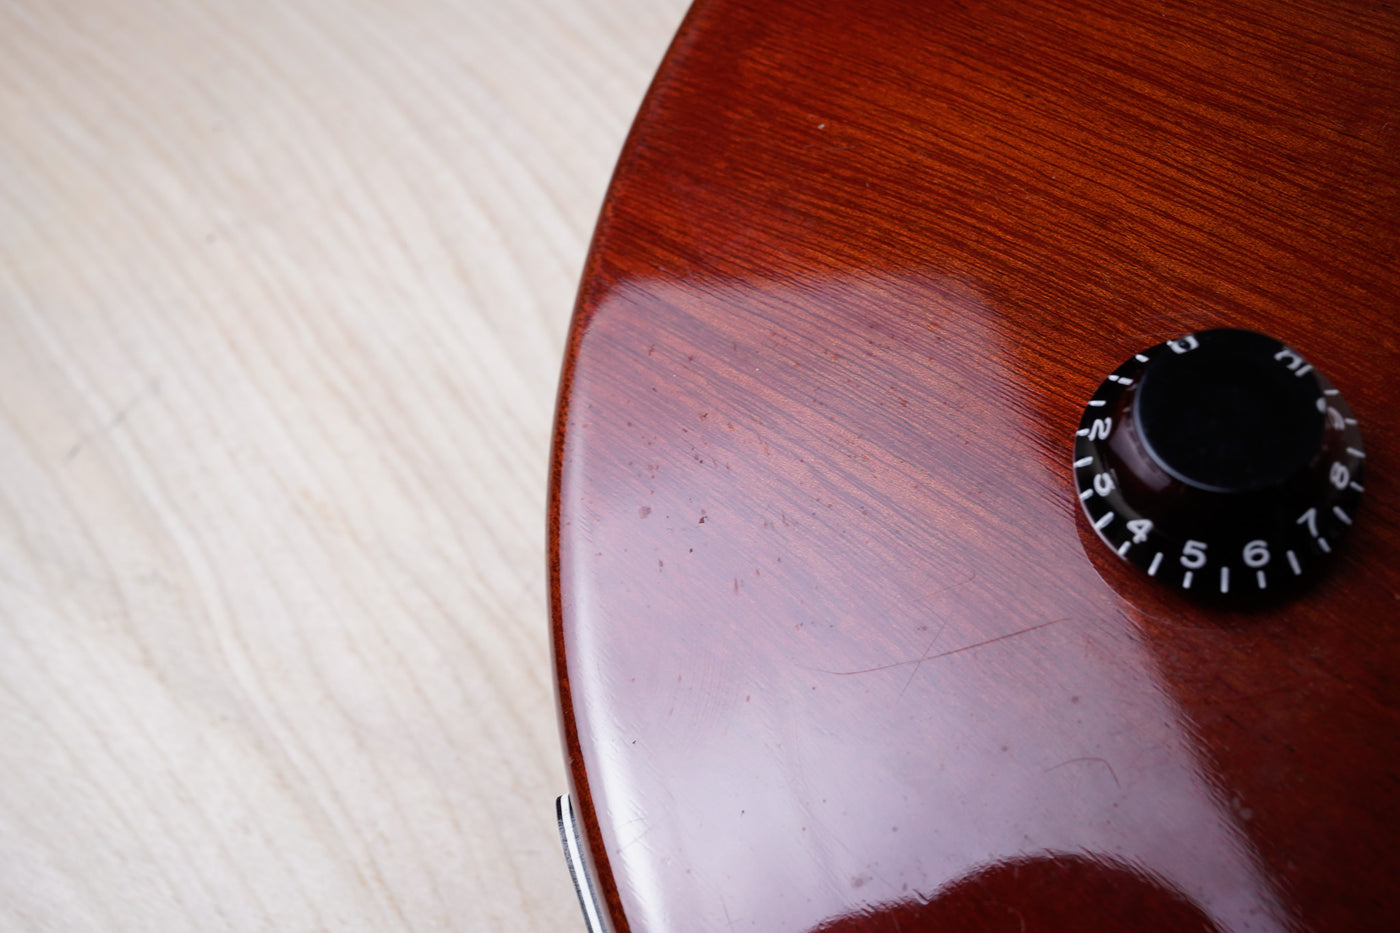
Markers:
{"x": 836, "y": 650}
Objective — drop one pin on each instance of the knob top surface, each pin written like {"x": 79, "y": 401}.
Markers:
{"x": 1234, "y": 415}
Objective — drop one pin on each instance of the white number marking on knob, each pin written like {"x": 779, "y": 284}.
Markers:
{"x": 1140, "y": 527}
{"x": 1256, "y": 553}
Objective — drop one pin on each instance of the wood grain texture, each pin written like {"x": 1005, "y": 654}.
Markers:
{"x": 283, "y": 293}
{"x": 839, "y": 650}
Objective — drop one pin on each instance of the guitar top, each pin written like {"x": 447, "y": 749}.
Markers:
{"x": 839, "y": 640}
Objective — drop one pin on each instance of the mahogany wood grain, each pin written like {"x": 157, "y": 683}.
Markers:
{"x": 836, "y": 649}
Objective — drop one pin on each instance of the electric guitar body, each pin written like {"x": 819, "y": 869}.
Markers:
{"x": 838, "y": 646}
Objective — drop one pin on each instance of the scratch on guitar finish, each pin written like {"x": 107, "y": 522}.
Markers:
{"x": 1103, "y": 761}
{"x": 945, "y": 654}
{"x": 915, "y": 672}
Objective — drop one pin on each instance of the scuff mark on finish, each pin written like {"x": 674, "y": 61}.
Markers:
{"x": 152, "y": 388}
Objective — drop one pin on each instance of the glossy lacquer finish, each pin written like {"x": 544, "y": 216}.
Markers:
{"x": 836, "y": 649}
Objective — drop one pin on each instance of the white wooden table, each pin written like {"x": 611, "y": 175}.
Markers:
{"x": 283, "y": 294}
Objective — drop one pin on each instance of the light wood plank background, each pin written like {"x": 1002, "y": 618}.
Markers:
{"x": 283, "y": 294}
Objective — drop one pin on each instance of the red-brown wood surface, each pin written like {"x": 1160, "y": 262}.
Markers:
{"x": 836, "y": 649}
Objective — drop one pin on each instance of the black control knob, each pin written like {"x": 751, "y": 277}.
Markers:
{"x": 1221, "y": 463}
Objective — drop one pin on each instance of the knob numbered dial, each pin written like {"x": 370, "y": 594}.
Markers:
{"x": 1221, "y": 463}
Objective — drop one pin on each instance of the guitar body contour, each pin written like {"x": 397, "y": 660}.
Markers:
{"x": 836, "y": 648}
